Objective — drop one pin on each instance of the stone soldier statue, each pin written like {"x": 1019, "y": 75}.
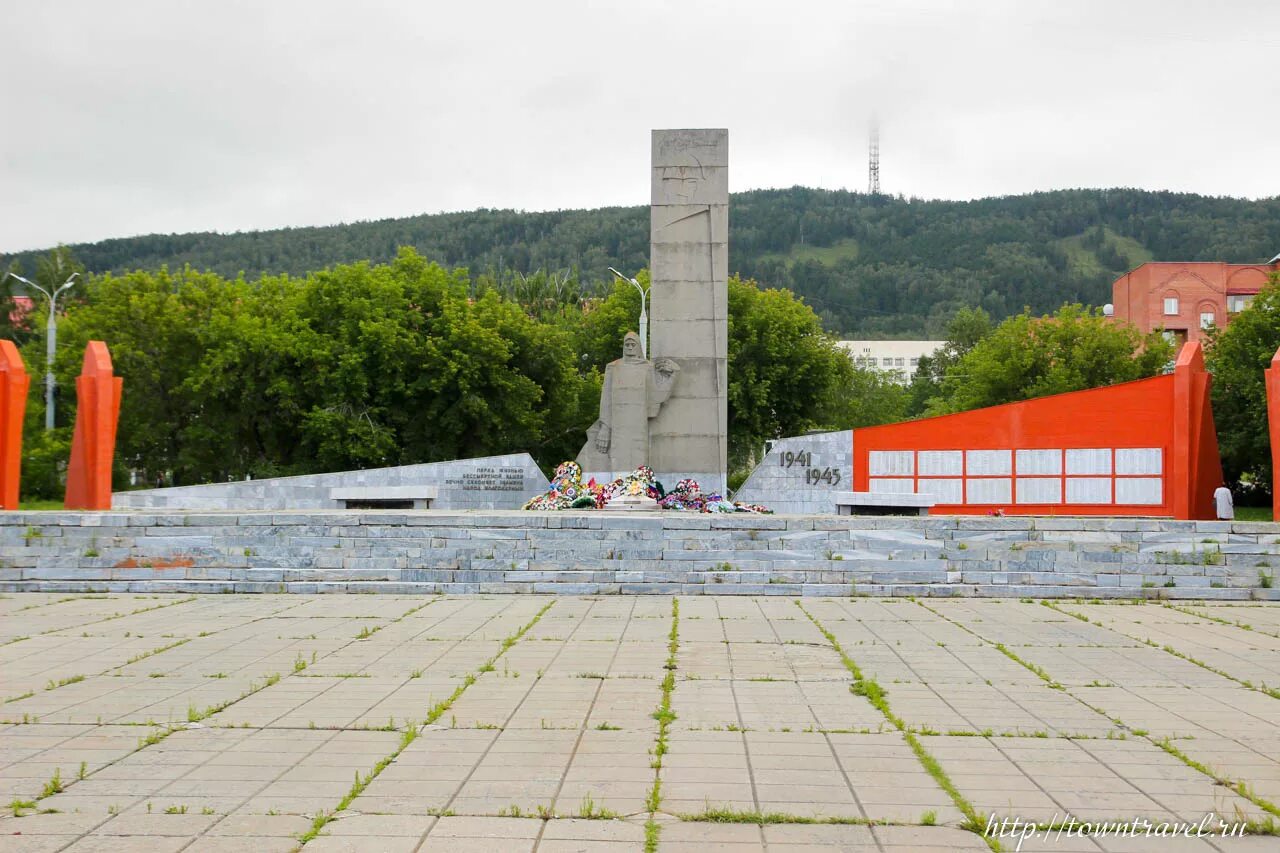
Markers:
{"x": 634, "y": 391}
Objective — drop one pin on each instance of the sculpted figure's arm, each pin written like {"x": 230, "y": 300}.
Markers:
{"x": 664, "y": 376}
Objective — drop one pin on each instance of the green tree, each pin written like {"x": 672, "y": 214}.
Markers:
{"x": 599, "y": 329}
{"x": 55, "y": 268}
{"x": 362, "y": 365}
{"x": 355, "y": 366}
{"x": 1028, "y": 356}
{"x": 52, "y": 270}
{"x": 153, "y": 324}
{"x": 1237, "y": 355}
{"x": 966, "y": 329}
{"x": 787, "y": 375}
{"x": 864, "y": 398}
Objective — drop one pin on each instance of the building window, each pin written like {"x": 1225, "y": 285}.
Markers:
{"x": 898, "y": 362}
{"x": 1237, "y": 303}
{"x": 915, "y": 362}
{"x": 1206, "y": 319}
{"x": 1171, "y": 306}
{"x": 871, "y": 362}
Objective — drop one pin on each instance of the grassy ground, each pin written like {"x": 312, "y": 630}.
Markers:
{"x": 32, "y": 504}
{"x": 1083, "y": 262}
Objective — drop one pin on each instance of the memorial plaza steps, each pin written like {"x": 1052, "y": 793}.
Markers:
{"x": 634, "y": 553}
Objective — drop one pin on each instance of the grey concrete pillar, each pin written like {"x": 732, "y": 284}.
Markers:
{"x": 689, "y": 319}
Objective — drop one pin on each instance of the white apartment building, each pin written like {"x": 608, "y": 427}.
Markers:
{"x": 899, "y": 358}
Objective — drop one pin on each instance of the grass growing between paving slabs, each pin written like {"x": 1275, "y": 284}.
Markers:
{"x": 665, "y": 717}
{"x": 874, "y": 693}
{"x": 411, "y": 732}
{"x": 1234, "y": 623}
{"x": 98, "y": 621}
{"x": 366, "y": 632}
{"x": 57, "y": 785}
{"x": 194, "y": 715}
{"x": 76, "y": 679}
{"x": 1266, "y": 827}
{"x": 1243, "y": 682}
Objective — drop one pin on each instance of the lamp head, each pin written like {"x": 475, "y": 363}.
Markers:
{"x": 625, "y": 277}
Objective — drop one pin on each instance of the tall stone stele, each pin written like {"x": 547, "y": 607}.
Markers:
{"x": 688, "y": 268}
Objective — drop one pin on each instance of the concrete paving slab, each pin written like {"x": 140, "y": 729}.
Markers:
{"x": 227, "y": 722}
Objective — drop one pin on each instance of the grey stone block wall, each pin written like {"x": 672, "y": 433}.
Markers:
{"x": 491, "y": 482}
{"x": 633, "y": 553}
{"x": 801, "y": 474}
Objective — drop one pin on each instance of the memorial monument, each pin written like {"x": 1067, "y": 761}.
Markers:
{"x": 672, "y": 415}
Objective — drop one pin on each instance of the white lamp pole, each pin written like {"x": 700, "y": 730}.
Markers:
{"x": 51, "y": 341}
{"x": 644, "y": 312}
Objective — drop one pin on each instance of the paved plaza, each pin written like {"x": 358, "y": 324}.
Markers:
{"x": 615, "y": 723}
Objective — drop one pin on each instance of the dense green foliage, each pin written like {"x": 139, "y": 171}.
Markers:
{"x": 1237, "y": 356}
{"x": 354, "y": 366}
{"x": 367, "y": 365}
{"x": 967, "y": 327}
{"x": 1028, "y": 356}
{"x": 50, "y": 270}
{"x": 872, "y": 266}
{"x": 786, "y": 376}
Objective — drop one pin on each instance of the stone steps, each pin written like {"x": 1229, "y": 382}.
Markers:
{"x": 664, "y": 553}
{"x": 642, "y": 587}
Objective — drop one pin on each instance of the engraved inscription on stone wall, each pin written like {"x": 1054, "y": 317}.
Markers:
{"x": 489, "y": 479}
{"x": 802, "y": 463}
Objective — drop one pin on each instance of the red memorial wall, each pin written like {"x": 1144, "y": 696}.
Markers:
{"x": 1273, "y": 427}
{"x": 94, "y": 442}
{"x": 1147, "y": 447}
{"x": 14, "y": 382}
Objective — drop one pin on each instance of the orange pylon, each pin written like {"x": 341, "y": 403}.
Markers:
{"x": 14, "y": 383}
{"x": 94, "y": 443}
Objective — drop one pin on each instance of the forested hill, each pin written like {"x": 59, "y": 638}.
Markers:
{"x": 873, "y": 266}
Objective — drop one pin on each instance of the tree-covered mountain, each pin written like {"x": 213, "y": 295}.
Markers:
{"x": 874, "y": 266}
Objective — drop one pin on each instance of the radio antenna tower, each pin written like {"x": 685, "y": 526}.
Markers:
{"x": 873, "y": 168}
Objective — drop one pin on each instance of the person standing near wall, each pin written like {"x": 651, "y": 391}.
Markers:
{"x": 1225, "y": 505}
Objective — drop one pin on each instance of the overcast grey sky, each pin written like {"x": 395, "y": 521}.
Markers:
{"x": 124, "y": 118}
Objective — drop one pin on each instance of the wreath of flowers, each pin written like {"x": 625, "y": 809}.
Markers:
{"x": 569, "y": 492}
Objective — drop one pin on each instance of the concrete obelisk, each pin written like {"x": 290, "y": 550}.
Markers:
{"x": 688, "y": 268}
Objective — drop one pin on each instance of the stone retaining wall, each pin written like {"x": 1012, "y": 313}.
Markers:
{"x": 633, "y": 553}
{"x": 490, "y": 482}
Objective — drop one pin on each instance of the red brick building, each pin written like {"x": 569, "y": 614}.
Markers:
{"x": 1184, "y": 298}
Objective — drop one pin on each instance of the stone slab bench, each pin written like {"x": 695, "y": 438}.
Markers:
{"x": 383, "y": 497}
{"x": 882, "y": 503}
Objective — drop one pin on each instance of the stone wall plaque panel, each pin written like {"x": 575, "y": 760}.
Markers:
{"x": 1139, "y": 460}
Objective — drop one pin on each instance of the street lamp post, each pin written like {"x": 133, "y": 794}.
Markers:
{"x": 644, "y": 311}
{"x": 51, "y": 341}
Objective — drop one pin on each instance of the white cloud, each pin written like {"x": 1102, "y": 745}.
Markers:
{"x": 165, "y": 116}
